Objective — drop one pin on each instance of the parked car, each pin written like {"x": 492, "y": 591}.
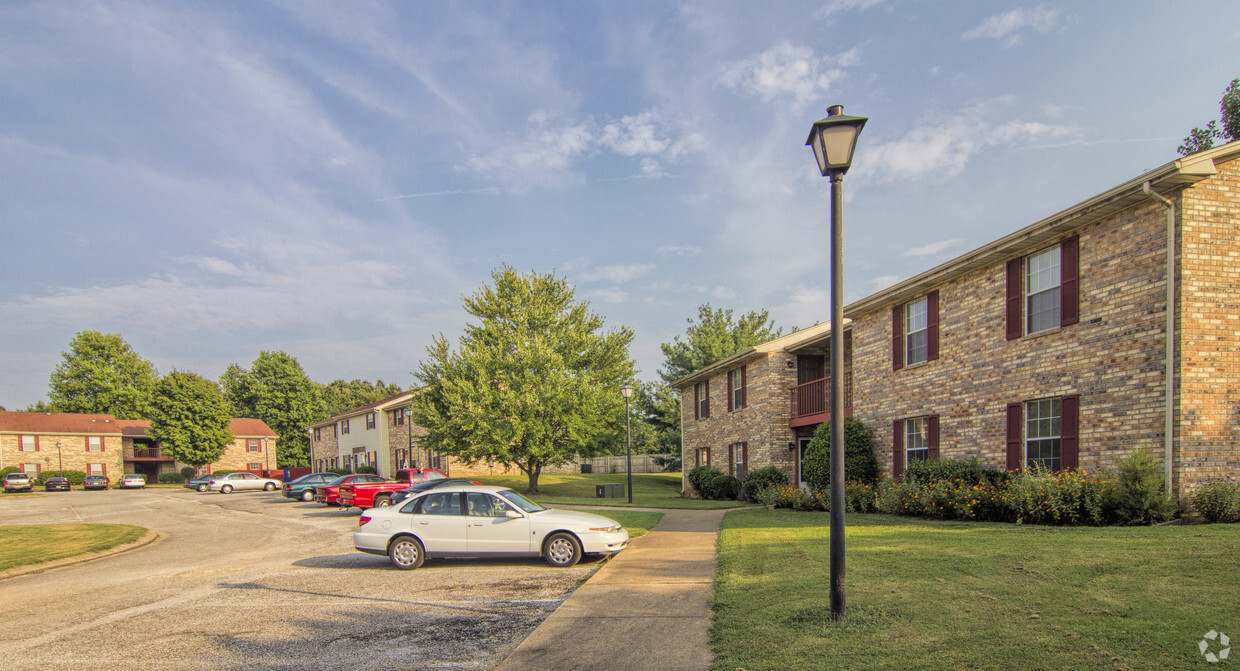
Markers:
{"x": 132, "y": 481}
{"x": 198, "y": 483}
{"x": 18, "y": 482}
{"x": 477, "y": 521}
{"x": 240, "y": 481}
{"x": 96, "y": 482}
{"x": 402, "y": 494}
{"x": 372, "y": 494}
{"x": 303, "y": 487}
{"x": 328, "y": 493}
{"x": 56, "y": 485}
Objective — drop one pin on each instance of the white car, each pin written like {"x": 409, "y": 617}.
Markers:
{"x": 227, "y": 483}
{"x": 132, "y": 481}
{"x": 479, "y": 521}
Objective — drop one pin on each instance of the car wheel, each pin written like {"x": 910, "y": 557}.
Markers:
{"x": 202, "y": 488}
{"x": 406, "y": 553}
{"x": 562, "y": 550}
{"x": 383, "y": 501}
{"x": 269, "y": 486}
{"x": 307, "y": 496}
{"x": 226, "y": 489}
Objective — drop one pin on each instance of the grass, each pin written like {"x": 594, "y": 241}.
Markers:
{"x": 39, "y": 543}
{"x": 923, "y": 594}
{"x": 638, "y": 522}
{"x": 650, "y": 490}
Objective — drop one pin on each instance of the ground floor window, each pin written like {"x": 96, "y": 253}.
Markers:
{"x": 738, "y": 460}
{"x": 31, "y": 469}
{"x": 1043, "y": 434}
{"x": 255, "y": 466}
{"x": 916, "y": 439}
{"x": 96, "y": 469}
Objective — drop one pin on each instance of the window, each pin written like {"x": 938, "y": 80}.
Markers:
{"x": 701, "y": 400}
{"x": 370, "y": 420}
{"x": 916, "y": 439}
{"x": 94, "y": 444}
{"x": 251, "y": 445}
{"x": 738, "y": 460}
{"x": 736, "y": 389}
{"x": 31, "y": 469}
{"x": 344, "y": 426}
{"x": 441, "y": 503}
{"x": 398, "y": 417}
{"x": 1043, "y": 290}
{"x": 29, "y": 444}
{"x": 255, "y": 466}
{"x": 913, "y": 439}
{"x": 915, "y": 331}
{"x": 96, "y": 469}
{"x": 1043, "y": 433}
{"x": 701, "y": 456}
{"x": 317, "y": 437}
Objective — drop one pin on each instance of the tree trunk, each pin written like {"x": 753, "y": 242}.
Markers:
{"x": 533, "y": 472}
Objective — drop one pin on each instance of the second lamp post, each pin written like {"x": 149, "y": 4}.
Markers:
{"x": 627, "y": 392}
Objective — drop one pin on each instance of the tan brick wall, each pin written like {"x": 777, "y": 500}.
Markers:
{"x": 237, "y": 456}
{"x": 72, "y": 453}
{"x": 326, "y": 448}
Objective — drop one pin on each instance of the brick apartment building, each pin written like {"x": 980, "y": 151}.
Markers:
{"x": 377, "y": 434}
{"x": 1049, "y": 346}
{"x": 103, "y": 445}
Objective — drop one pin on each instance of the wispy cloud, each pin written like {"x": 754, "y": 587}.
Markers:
{"x": 686, "y": 251}
{"x": 1008, "y": 25}
{"x": 616, "y": 273}
{"x": 934, "y": 248}
{"x": 838, "y": 6}
{"x": 786, "y": 71}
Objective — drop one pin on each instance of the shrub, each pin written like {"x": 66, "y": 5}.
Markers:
{"x": 339, "y": 471}
{"x": 724, "y": 488}
{"x": 969, "y": 471}
{"x": 8, "y": 469}
{"x": 860, "y": 464}
{"x": 700, "y": 477}
{"x": 173, "y": 478}
{"x": 860, "y": 497}
{"x": 223, "y": 471}
{"x": 75, "y": 477}
{"x": 1061, "y": 497}
{"x": 366, "y": 468}
{"x": 789, "y": 496}
{"x": 1218, "y": 502}
{"x": 761, "y": 478}
{"x": 187, "y": 473}
{"x": 1138, "y": 498}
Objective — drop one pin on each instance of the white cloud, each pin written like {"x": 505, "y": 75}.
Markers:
{"x": 610, "y": 296}
{"x": 616, "y": 273}
{"x": 724, "y": 293}
{"x": 883, "y": 281}
{"x": 788, "y": 71}
{"x": 1006, "y": 26}
{"x": 686, "y": 251}
{"x": 837, "y": 6}
{"x": 934, "y": 248}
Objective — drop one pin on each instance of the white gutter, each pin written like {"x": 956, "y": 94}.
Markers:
{"x": 1169, "y": 411}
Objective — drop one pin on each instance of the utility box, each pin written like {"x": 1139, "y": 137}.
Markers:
{"x": 587, "y": 468}
{"x": 609, "y": 490}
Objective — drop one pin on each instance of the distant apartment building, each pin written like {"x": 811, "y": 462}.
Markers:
{"x": 378, "y": 434}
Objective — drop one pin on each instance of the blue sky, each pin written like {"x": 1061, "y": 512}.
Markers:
{"x": 330, "y": 179}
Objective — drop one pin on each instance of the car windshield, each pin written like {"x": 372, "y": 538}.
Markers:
{"x": 338, "y": 481}
{"x": 520, "y": 501}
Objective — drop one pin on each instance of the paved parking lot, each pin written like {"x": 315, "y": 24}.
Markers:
{"x": 255, "y": 580}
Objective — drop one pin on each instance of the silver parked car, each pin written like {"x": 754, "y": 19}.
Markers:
{"x": 478, "y": 521}
{"x": 18, "y": 482}
{"x": 230, "y": 482}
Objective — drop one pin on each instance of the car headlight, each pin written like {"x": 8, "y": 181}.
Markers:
{"x": 612, "y": 529}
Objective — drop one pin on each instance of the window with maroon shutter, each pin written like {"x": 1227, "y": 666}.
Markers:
{"x": 1015, "y": 451}
{"x": 706, "y": 399}
{"x": 707, "y": 455}
{"x": 1015, "y": 296}
{"x": 29, "y": 443}
{"x": 1069, "y": 270}
{"x": 744, "y": 388}
{"x": 744, "y": 459}
{"x": 1044, "y": 433}
{"x": 932, "y": 429}
{"x": 897, "y": 337}
{"x": 731, "y": 458}
{"x": 932, "y": 325}
{"x": 1069, "y": 430}
{"x": 697, "y": 401}
{"x": 736, "y": 389}
{"x": 897, "y": 449}
{"x": 731, "y": 390}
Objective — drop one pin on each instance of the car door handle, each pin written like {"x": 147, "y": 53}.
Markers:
{"x": 475, "y": 524}
{"x": 424, "y": 523}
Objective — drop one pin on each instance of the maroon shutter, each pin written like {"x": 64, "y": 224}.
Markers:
{"x": 697, "y": 402}
{"x": 1015, "y": 296}
{"x": 706, "y": 412}
{"x": 897, "y": 449}
{"x": 744, "y": 389}
{"x": 36, "y": 443}
{"x": 1069, "y": 284}
{"x": 932, "y": 325}
{"x": 697, "y": 457}
{"x": 1015, "y": 456}
{"x": 730, "y": 388}
{"x": 707, "y": 455}
{"x": 1069, "y": 429}
{"x": 933, "y": 430}
{"x": 744, "y": 457}
{"x": 897, "y": 337}
{"x": 731, "y": 458}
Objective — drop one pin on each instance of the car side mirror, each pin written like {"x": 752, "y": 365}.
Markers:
{"x": 513, "y": 515}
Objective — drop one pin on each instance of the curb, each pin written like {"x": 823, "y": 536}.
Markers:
{"x": 150, "y": 537}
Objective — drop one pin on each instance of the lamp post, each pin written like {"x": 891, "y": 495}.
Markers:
{"x": 60, "y": 460}
{"x": 834, "y": 138}
{"x": 627, "y": 392}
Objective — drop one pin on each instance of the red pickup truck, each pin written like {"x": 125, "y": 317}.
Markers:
{"x": 377, "y": 494}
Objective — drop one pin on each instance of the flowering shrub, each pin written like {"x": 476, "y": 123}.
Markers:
{"x": 790, "y": 496}
{"x": 1036, "y": 496}
{"x": 860, "y": 497}
{"x": 1218, "y": 502}
{"x": 761, "y": 478}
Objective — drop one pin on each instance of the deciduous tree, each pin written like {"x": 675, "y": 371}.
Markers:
{"x": 533, "y": 382}
{"x": 339, "y": 396}
{"x": 276, "y": 390}
{"x": 713, "y": 337}
{"x": 190, "y": 418}
{"x": 1200, "y": 139}
{"x": 101, "y": 374}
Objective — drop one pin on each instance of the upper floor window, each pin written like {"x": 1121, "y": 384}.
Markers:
{"x": 915, "y": 331}
{"x": 317, "y": 436}
{"x": 1042, "y": 289}
{"x": 370, "y": 420}
{"x": 29, "y": 444}
{"x": 344, "y": 426}
{"x": 736, "y": 389}
{"x": 94, "y": 444}
{"x": 252, "y": 445}
{"x": 398, "y": 417}
{"x": 701, "y": 400}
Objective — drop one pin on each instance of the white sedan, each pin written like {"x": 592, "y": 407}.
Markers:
{"x": 239, "y": 481}
{"x": 479, "y": 521}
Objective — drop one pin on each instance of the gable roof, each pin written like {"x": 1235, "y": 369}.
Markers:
{"x": 58, "y": 422}
{"x": 382, "y": 404}
{"x": 241, "y": 427}
{"x": 786, "y": 343}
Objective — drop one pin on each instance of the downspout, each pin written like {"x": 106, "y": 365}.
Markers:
{"x": 1169, "y": 411}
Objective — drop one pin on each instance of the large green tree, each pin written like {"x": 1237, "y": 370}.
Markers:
{"x": 713, "y": 337}
{"x": 276, "y": 390}
{"x": 339, "y": 396}
{"x": 190, "y": 418}
{"x": 533, "y": 382}
{"x": 1200, "y": 139}
{"x": 101, "y": 374}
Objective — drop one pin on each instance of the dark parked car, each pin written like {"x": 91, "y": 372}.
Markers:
{"x": 402, "y": 494}
{"x": 56, "y": 485}
{"x": 96, "y": 482}
{"x": 303, "y": 487}
{"x": 199, "y": 482}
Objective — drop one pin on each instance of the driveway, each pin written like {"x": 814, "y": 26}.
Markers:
{"x": 255, "y": 580}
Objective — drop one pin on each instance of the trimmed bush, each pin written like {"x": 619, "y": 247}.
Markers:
{"x": 339, "y": 471}
{"x": 761, "y": 478}
{"x": 1061, "y": 497}
{"x": 8, "y": 469}
{"x": 700, "y": 477}
{"x": 187, "y": 473}
{"x": 367, "y": 469}
{"x": 75, "y": 477}
{"x": 724, "y": 488}
{"x": 171, "y": 479}
{"x": 1218, "y": 502}
{"x": 795, "y": 498}
{"x": 969, "y": 470}
{"x": 860, "y": 464}
{"x": 1138, "y": 498}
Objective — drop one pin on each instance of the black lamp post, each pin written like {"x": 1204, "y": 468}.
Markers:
{"x": 60, "y": 460}
{"x": 627, "y": 392}
{"x": 834, "y": 138}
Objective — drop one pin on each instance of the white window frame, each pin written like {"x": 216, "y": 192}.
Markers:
{"x": 1043, "y": 427}
{"x": 916, "y": 439}
{"x": 738, "y": 389}
{"x": 29, "y": 440}
{"x": 94, "y": 443}
{"x": 917, "y": 331}
{"x": 1042, "y": 284}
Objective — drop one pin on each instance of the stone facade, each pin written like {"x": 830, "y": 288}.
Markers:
{"x": 78, "y": 442}
{"x": 349, "y": 440}
{"x": 1110, "y": 361}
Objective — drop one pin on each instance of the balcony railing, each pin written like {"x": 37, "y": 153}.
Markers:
{"x": 148, "y": 453}
{"x": 814, "y": 397}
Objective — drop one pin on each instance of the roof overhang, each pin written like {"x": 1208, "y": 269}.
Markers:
{"x": 814, "y": 335}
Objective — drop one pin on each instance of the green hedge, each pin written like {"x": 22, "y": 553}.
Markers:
{"x": 860, "y": 464}
{"x": 171, "y": 479}
{"x": 75, "y": 477}
{"x": 1218, "y": 502}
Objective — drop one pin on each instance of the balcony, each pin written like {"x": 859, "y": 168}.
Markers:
{"x": 811, "y": 402}
{"x": 148, "y": 454}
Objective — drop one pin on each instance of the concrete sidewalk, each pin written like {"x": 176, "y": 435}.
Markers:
{"x": 647, "y": 608}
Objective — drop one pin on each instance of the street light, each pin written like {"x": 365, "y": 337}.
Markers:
{"x": 627, "y": 392}
{"x": 60, "y": 459}
{"x": 834, "y": 138}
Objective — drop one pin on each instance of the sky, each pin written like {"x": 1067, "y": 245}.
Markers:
{"x": 330, "y": 179}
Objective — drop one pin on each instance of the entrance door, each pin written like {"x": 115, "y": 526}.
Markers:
{"x": 802, "y": 443}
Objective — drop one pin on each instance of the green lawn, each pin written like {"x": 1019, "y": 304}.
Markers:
{"x": 955, "y": 595}
{"x": 650, "y": 490}
{"x": 39, "y": 543}
{"x": 638, "y": 522}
